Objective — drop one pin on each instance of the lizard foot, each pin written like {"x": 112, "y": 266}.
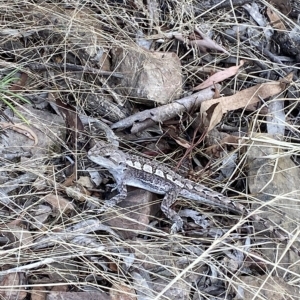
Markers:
{"x": 108, "y": 204}
{"x": 177, "y": 226}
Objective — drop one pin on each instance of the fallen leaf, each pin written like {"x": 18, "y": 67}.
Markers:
{"x": 207, "y": 42}
{"x": 275, "y": 19}
{"x": 174, "y": 135}
{"x": 58, "y": 203}
{"x": 203, "y": 43}
{"x": 214, "y": 116}
{"x": 182, "y": 142}
{"x": 240, "y": 100}
{"x": 11, "y": 286}
{"x": 218, "y": 77}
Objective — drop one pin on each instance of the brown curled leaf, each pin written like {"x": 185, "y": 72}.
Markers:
{"x": 25, "y": 130}
{"x": 172, "y": 132}
{"x": 218, "y": 77}
{"x": 241, "y": 99}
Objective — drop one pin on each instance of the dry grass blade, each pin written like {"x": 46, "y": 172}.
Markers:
{"x": 94, "y": 60}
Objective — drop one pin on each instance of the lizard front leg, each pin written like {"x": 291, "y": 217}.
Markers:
{"x": 168, "y": 201}
{"x": 114, "y": 200}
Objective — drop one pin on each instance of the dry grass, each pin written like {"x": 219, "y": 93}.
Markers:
{"x": 154, "y": 264}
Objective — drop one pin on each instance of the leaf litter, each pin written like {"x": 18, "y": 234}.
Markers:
{"x": 208, "y": 88}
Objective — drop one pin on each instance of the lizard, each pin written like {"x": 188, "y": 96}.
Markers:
{"x": 137, "y": 171}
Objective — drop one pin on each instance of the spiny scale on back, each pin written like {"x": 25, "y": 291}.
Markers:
{"x": 187, "y": 188}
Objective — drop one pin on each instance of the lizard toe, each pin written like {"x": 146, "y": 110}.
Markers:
{"x": 177, "y": 226}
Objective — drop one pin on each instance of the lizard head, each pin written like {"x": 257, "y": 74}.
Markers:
{"x": 107, "y": 156}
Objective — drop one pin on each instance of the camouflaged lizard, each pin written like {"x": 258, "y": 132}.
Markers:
{"x": 153, "y": 176}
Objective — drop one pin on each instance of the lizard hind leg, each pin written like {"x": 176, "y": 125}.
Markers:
{"x": 168, "y": 201}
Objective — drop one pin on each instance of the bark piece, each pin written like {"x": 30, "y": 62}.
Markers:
{"x": 274, "y": 179}
{"x": 166, "y": 112}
